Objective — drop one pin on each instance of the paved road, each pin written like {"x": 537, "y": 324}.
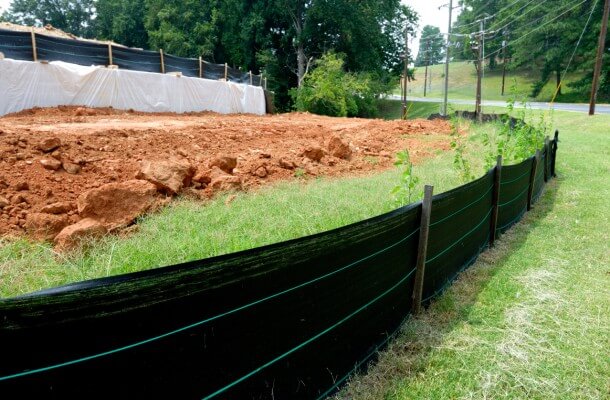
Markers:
{"x": 574, "y": 107}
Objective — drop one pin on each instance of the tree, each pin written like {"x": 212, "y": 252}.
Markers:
{"x": 122, "y": 21}
{"x": 431, "y": 47}
{"x": 73, "y": 16}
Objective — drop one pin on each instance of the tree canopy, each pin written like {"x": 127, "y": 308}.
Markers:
{"x": 431, "y": 47}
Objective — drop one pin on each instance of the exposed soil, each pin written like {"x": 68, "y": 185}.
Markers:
{"x": 101, "y": 146}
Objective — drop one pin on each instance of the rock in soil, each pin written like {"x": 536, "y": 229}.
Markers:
{"x": 71, "y": 168}
{"x": 339, "y": 148}
{"x": 73, "y": 235}
{"x": 117, "y": 205}
{"x": 61, "y": 207}
{"x": 51, "y": 164}
{"x": 168, "y": 176}
{"x": 45, "y": 226}
{"x": 223, "y": 181}
{"x": 49, "y": 144}
{"x": 227, "y": 164}
{"x": 314, "y": 153}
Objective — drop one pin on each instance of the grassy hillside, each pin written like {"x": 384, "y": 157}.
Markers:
{"x": 462, "y": 83}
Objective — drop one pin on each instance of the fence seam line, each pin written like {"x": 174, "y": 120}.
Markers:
{"x": 462, "y": 209}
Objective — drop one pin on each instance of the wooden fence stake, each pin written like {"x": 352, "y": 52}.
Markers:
{"x": 34, "y": 50}
{"x": 162, "y": 61}
{"x": 530, "y": 191}
{"x": 110, "y": 54}
{"x": 554, "y": 151}
{"x": 495, "y": 201}
{"x": 200, "y": 67}
{"x": 226, "y": 71}
{"x": 426, "y": 207}
{"x": 265, "y": 83}
{"x": 547, "y": 151}
{"x": 250, "y": 72}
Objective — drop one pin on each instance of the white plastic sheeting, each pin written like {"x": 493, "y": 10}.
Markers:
{"x": 26, "y": 84}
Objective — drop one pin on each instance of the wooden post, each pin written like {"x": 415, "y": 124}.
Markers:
{"x": 200, "y": 67}
{"x": 547, "y": 151}
{"x": 598, "y": 60}
{"x": 110, "y": 54}
{"x": 426, "y": 207}
{"x": 226, "y": 72}
{"x": 265, "y": 83}
{"x": 34, "y": 50}
{"x": 495, "y": 201}
{"x": 250, "y": 72}
{"x": 162, "y": 61}
{"x": 530, "y": 191}
{"x": 555, "y": 142}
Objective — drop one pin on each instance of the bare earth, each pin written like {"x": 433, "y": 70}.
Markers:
{"x": 101, "y": 146}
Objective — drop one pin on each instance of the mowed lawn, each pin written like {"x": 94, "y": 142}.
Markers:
{"x": 531, "y": 319}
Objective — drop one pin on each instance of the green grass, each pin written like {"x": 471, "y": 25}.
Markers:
{"x": 530, "y": 319}
{"x": 462, "y": 83}
{"x": 392, "y": 109}
{"x": 188, "y": 230}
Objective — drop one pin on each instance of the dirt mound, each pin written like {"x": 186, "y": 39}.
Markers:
{"x": 50, "y": 157}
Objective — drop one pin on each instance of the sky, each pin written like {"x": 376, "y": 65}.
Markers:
{"x": 429, "y": 14}
{"x": 428, "y": 11}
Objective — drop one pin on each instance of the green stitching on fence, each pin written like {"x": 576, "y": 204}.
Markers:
{"x": 517, "y": 197}
{"x": 142, "y": 342}
{"x": 460, "y": 239}
{"x": 311, "y": 339}
{"x": 516, "y": 179}
{"x": 459, "y": 211}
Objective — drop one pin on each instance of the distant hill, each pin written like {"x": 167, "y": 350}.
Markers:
{"x": 462, "y": 83}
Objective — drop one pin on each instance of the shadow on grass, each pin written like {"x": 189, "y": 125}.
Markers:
{"x": 408, "y": 355}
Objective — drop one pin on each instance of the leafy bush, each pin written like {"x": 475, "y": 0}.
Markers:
{"x": 330, "y": 90}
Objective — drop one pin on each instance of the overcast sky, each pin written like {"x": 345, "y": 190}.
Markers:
{"x": 428, "y": 11}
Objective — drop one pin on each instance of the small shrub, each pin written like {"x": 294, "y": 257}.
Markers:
{"x": 403, "y": 192}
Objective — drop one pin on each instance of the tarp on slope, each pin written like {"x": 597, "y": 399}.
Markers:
{"x": 26, "y": 84}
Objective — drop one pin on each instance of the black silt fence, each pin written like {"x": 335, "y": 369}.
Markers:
{"x": 71, "y": 51}
{"x": 137, "y": 60}
{"x": 187, "y": 66}
{"x": 20, "y": 46}
{"x": 17, "y": 45}
{"x": 286, "y": 321}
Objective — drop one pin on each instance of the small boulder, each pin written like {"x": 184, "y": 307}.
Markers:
{"x": 287, "y": 164}
{"x": 202, "y": 177}
{"x": 168, "y": 176}
{"x": 117, "y": 204}
{"x": 314, "y": 153}
{"x": 51, "y": 164}
{"x": 4, "y": 202}
{"x": 49, "y": 144}
{"x": 22, "y": 186}
{"x": 223, "y": 181}
{"x": 261, "y": 171}
{"x": 71, "y": 168}
{"x": 62, "y": 207}
{"x": 71, "y": 236}
{"x": 227, "y": 164}
{"x": 45, "y": 226}
{"x": 339, "y": 148}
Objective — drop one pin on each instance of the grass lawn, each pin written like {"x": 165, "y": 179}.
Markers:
{"x": 392, "y": 109}
{"x": 463, "y": 78}
{"x": 531, "y": 319}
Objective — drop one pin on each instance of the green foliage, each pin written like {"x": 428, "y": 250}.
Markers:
{"x": 404, "y": 191}
{"x": 122, "y": 21}
{"x": 74, "y": 16}
{"x": 458, "y": 143}
{"x": 431, "y": 47}
{"x": 329, "y": 90}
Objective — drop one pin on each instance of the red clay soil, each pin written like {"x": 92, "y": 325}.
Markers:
{"x": 101, "y": 146}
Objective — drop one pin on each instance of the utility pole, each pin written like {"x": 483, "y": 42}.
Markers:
{"x": 600, "y": 55}
{"x": 503, "y": 65}
{"x": 405, "y": 74}
{"x": 444, "y": 110}
{"x": 427, "y": 63}
{"x": 479, "y": 65}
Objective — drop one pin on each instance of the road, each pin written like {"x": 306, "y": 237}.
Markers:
{"x": 573, "y": 107}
